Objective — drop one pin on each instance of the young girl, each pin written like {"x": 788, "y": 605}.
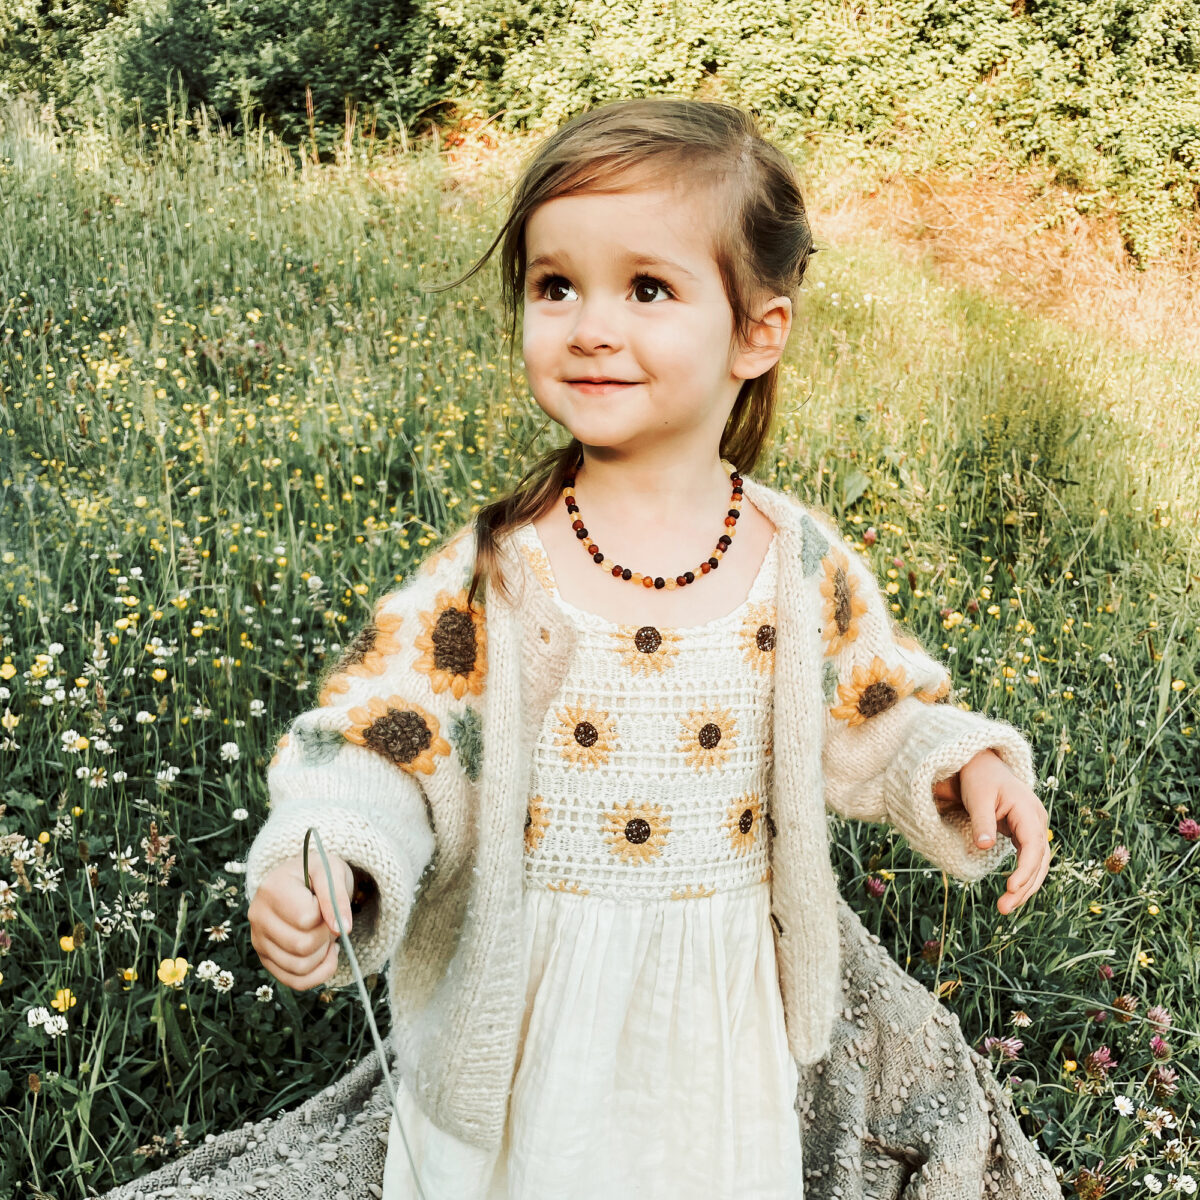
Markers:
{"x": 583, "y": 822}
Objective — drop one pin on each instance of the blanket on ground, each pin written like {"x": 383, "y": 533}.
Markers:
{"x": 900, "y": 1108}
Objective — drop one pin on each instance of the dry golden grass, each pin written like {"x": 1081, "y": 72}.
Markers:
{"x": 1016, "y": 235}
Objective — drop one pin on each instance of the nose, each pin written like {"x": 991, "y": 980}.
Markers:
{"x": 595, "y": 328}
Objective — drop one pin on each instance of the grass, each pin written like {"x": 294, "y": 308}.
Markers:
{"x": 231, "y": 418}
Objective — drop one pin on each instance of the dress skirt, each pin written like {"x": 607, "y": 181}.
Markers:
{"x": 653, "y": 1062}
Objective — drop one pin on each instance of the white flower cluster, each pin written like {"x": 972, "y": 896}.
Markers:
{"x": 208, "y": 970}
{"x": 54, "y": 1024}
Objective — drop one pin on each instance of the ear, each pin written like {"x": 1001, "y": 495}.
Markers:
{"x": 767, "y": 340}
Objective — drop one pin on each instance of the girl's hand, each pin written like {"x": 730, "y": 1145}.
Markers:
{"x": 997, "y": 800}
{"x": 295, "y": 930}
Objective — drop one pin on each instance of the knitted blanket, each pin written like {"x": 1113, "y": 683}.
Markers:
{"x": 900, "y": 1107}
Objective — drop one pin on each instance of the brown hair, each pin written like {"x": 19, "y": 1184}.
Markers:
{"x": 762, "y": 243}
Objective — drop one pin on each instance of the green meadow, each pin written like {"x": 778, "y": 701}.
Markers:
{"x": 232, "y": 416}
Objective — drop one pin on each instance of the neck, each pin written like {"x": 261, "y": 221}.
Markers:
{"x": 668, "y": 493}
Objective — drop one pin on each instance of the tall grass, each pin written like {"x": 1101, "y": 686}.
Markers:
{"x": 231, "y": 418}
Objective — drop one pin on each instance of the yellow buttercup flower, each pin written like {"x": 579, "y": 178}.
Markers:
{"x": 67, "y": 942}
{"x": 173, "y": 971}
{"x": 64, "y": 998}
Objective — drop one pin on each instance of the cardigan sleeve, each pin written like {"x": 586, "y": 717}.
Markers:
{"x": 367, "y": 810}
{"x": 889, "y": 735}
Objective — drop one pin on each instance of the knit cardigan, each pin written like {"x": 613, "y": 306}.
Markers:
{"x": 414, "y": 767}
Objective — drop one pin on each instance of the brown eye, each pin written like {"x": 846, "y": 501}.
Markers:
{"x": 646, "y": 283}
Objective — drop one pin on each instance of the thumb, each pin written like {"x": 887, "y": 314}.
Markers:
{"x": 340, "y": 899}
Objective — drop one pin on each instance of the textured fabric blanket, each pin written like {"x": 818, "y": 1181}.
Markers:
{"x": 901, "y": 1106}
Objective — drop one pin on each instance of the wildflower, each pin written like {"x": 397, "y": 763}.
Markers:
{"x": 1123, "y": 1105}
{"x": 223, "y": 981}
{"x": 207, "y": 970}
{"x": 1189, "y": 829}
{"x": 875, "y": 886}
{"x": 1185, "y": 1183}
{"x": 1126, "y": 1006}
{"x": 1021, "y": 1018}
{"x": 931, "y": 950}
{"x": 1172, "y": 1150}
{"x": 1104, "y": 971}
{"x": 1153, "y": 1183}
{"x": 239, "y": 814}
{"x": 64, "y": 998}
{"x": 1007, "y": 1048}
{"x": 1098, "y": 1063}
{"x": 230, "y": 752}
{"x": 172, "y": 971}
{"x": 1118, "y": 860}
{"x": 264, "y": 994}
{"x": 1091, "y": 1183}
{"x": 1159, "y": 1048}
{"x": 37, "y": 1016}
{"x": 235, "y": 868}
{"x": 55, "y": 1026}
{"x": 1163, "y": 1082}
{"x": 1158, "y": 1016}
{"x": 124, "y": 862}
{"x": 218, "y": 933}
{"x": 1156, "y": 1122}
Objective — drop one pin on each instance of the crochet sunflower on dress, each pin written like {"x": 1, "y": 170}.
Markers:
{"x": 707, "y": 736}
{"x": 647, "y": 650}
{"x": 586, "y": 736}
{"x": 454, "y": 641}
{"x": 366, "y": 656}
{"x": 872, "y": 690}
{"x": 537, "y": 821}
{"x": 743, "y": 817}
{"x": 842, "y": 603}
{"x": 757, "y": 637}
{"x": 636, "y": 832}
{"x": 403, "y": 732}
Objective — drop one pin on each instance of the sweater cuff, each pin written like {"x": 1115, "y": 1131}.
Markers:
{"x": 389, "y": 852}
{"x": 942, "y": 739}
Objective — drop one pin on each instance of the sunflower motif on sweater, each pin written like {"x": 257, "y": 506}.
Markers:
{"x": 454, "y": 641}
{"x": 872, "y": 690}
{"x": 400, "y": 730}
{"x": 366, "y": 657}
{"x": 843, "y": 604}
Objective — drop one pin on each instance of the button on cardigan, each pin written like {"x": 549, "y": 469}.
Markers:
{"x": 414, "y": 768}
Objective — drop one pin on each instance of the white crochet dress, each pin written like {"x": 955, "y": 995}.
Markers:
{"x": 653, "y": 1060}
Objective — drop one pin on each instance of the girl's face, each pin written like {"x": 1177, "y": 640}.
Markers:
{"x": 622, "y": 287}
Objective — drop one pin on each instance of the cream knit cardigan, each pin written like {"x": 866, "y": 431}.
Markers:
{"x": 416, "y": 762}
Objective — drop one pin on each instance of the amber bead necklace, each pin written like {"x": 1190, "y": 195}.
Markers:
{"x": 656, "y": 581}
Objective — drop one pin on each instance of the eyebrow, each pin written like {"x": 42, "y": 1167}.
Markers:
{"x": 634, "y": 260}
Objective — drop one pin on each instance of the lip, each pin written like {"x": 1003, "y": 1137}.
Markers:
{"x": 593, "y": 387}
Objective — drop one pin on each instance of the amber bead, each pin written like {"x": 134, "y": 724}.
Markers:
{"x": 705, "y": 568}
{"x": 576, "y": 524}
{"x": 647, "y": 581}
{"x": 680, "y": 581}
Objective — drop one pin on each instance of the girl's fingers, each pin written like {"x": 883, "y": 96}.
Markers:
{"x": 305, "y": 978}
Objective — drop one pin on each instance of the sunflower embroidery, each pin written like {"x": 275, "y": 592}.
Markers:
{"x": 757, "y": 637}
{"x": 932, "y": 695}
{"x": 537, "y": 821}
{"x": 283, "y": 741}
{"x": 707, "y": 736}
{"x": 366, "y": 656}
{"x": 647, "y": 650}
{"x": 448, "y": 552}
{"x": 454, "y": 639}
{"x": 561, "y": 885}
{"x": 636, "y": 832}
{"x": 694, "y": 891}
{"x": 872, "y": 690}
{"x": 743, "y": 818}
{"x": 843, "y": 605}
{"x": 403, "y": 732}
{"x": 586, "y": 736}
{"x": 539, "y": 564}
